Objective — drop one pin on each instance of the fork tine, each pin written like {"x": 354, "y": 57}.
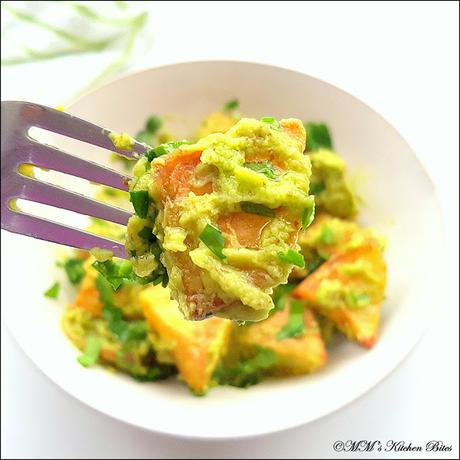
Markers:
{"x": 46, "y": 156}
{"x": 43, "y": 229}
{"x": 65, "y": 124}
{"x": 40, "y": 192}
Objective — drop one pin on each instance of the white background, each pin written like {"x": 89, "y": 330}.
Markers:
{"x": 401, "y": 59}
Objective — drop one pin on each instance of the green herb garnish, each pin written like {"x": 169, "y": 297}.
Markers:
{"x": 273, "y": 122}
{"x": 292, "y": 257}
{"x": 327, "y": 235}
{"x": 147, "y": 234}
{"x": 231, "y": 105}
{"x": 313, "y": 264}
{"x": 214, "y": 240}
{"x": 295, "y": 324}
{"x": 249, "y": 371}
{"x": 255, "y": 208}
{"x": 158, "y": 372}
{"x": 263, "y": 167}
{"x": 317, "y": 187}
{"x": 53, "y": 291}
{"x": 280, "y": 293}
{"x": 74, "y": 269}
{"x": 308, "y": 215}
{"x": 164, "y": 149}
{"x": 318, "y": 136}
{"x": 154, "y": 123}
{"x": 92, "y": 350}
{"x": 140, "y": 200}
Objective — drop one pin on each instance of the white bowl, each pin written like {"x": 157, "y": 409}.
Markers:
{"x": 400, "y": 201}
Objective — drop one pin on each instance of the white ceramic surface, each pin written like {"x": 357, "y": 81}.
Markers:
{"x": 399, "y": 201}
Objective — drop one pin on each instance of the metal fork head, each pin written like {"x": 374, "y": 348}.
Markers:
{"x": 18, "y": 148}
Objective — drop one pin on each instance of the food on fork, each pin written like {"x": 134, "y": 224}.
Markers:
{"x": 226, "y": 212}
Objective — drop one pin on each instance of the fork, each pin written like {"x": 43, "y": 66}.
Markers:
{"x": 18, "y": 148}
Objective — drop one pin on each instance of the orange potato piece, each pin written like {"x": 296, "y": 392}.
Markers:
{"x": 359, "y": 323}
{"x": 195, "y": 347}
{"x": 296, "y": 355}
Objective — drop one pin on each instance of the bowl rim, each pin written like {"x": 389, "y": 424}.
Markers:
{"x": 389, "y": 368}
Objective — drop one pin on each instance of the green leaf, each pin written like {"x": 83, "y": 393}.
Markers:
{"x": 92, "y": 350}
{"x": 317, "y": 187}
{"x": 280, "y": 293}
{"x": 273, "y": 122}
{"x": 327, "y": 235}
{"x": 140, "y": 200}
{"x": 233, "y": 104}
{"x": 214, "y": 240}
{"x": 295, "y": 324}
{"x": 114, "y": 317}
{"x": 249, "y": 371}
{"x": 74, "y": 270}
{"x": 154, "y": 123}
{"x": 308, "y": 214}
{"x": 263, "y": 167}
{"x": 292, "y": 257}
{"x": 255, "y": 208}
{"x": 318, "y": 137}
{"x": 164, "y": 149}
{"x": 53, "y": 291}
{"x": 105, "y": 290}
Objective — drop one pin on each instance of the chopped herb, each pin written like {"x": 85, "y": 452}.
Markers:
{"x": 263, "y": 167}
{"x": 273, "y": 122}
{"x": 214, "y": 240}
{"x": 314, "y": 263}
{"x": 140, "y": 200}
{"x": 164, "y": 149}
{"x": 74, "y": 270}
{"x": 53, "y": 291}
{"x": 159, "y": 372}
{"x": 280, "y": 294}
{"x": 318, "y": 136}
{"x": 91, "y": 353}
{"x": 147, "y": 234}
{"x": 255, "y": 208}
{"x": 144, "y": 137}
{"x": 327, "y": 235}
{"x": 154, "y": 123}
{"x": 358, "y": 300}
{"x": 308, "y": 215}
{"x": 317, "y": 187}
{"x": 231, "y": 105}
{"x": 292, "y": 257}
{"x": 249, "y": 371}
{"x": 295, "y": 324}
{"x": 114, "y": 317}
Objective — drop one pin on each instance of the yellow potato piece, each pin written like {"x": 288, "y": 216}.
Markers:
{"x": 196, "y": 347}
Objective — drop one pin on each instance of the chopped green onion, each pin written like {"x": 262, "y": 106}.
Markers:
{"x": 292, "y": 257}
{"x": 153, "y": 124}
{"x": 92, "y": 350}
{"x": 53, "y": 291}
{"x": 318, "y": 136}
{"x": 313, "y": 264}
{"x": 255, "y": 208}
{"x": 273, "y": 122}
{"x": 114, "y": 317}
{"x": 144, "y": 137}
{"x": 136, "y": 330}
{"x": 317, "y": 187}
{"x": 295, "y": 324}
{"x": 214, "y": 240}
{"x": 231, "y": 105}
{"x": 327, "y": 235}
{"x": 147, "y": 234}
{"x": 308, "y": 214}
{"x": 358, "y": 300}
{"x": 105, "y": 290}
{"x": 164, "y": 149}
{"x": 140, "y": 200}
{"x": 74, "y": 270}
{"x": 248, "y": 371}
{"x": 280, "y": 294}
{"x": 263, "y": 167}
